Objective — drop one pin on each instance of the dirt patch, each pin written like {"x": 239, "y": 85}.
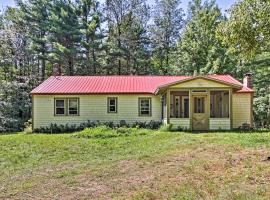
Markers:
{"x": 212, "y": 171}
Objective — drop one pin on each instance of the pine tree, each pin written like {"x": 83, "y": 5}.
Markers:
{"x": 64, "y": 34}
{"x": 126, "y": 40}
{"x": 35, "y": 14}
{"x": 168, "y": 21}
{"x": 199, "y": 49}
{"x": 92, "y": 36}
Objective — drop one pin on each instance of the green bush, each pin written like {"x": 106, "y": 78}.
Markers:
{"x": 166, "y": 127}
{"x": 69, "y": 128}
{"x": 107, "y": 132}
{"x": 97, "y": 132}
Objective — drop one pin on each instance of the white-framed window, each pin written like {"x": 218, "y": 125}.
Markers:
{"x": 66, "y": 106}
{"x": 73, "y": 106}
{"x": 144, "y": 106}
{"x": 60, "y": 106}
{"x": 112, "y": 105}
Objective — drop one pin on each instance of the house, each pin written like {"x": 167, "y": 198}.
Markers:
{"x": 192, "y": 102}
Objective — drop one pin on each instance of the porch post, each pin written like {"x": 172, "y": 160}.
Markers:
{"x": 208, "y": 107}
{"x": 168, "y": 105}
{"x": 230, "y": 110}
{"x": 190, "y": 110}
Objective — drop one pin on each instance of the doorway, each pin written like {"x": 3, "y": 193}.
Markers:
{"x": 199, "y": 117}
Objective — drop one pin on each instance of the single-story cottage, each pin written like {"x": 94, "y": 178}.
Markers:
{"x": 210, "y": 102}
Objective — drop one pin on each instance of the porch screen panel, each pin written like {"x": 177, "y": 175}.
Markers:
{"x": 219, "y": 104}
{"x": 179, "y": 104}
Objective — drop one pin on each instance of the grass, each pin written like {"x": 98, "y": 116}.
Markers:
{"x": 135, "y": 164}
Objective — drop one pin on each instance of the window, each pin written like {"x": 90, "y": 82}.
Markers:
{"x": 199, "y": 104}
{"x": 66, "y": 106}
{"x": 219, "y": 104}
{"x": 60, "y": 106}
{"x": 144, "y": 106}
{"x": 112, "y": 105}
{"x": 73, "y": 105}
{"x": 179, "y": 104}
{"x": 185, "y": 107}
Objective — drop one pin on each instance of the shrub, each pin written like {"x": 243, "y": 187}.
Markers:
{"x": 153, "y": 124}
{"x": 107, "y": 132}
{"x": 123, "y": 123}
{"x": 166, "y": 127}
{"x": 68, "y": 128}
{"x": 97, "y": 132}
{"x": 245, "y": 127}
{"x": 123, "y": 130}
{"x": 109, "y": 124}
{"x": 139, "y": 124}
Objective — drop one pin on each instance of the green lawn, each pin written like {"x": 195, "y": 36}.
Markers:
{"x": 148, "y": 165}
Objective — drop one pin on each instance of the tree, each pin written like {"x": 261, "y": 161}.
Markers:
{"x": 16, "y": 79}
{"x": 199, "y": 49}
{"x": 127, "y": 40}
{"x": 35, "y": 14}
{"x": 247, "y": 33}
{"x": 90, "y": 19}
{"x": 64, "y": 34}
{"x": 247, "y": 30}
{"x": 168, "y": 21}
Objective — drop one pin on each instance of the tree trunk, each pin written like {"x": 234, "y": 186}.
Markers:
{"x": 119, "y": 47}
{"x": 70, "y": 67}
{"x": 43, "y": 62}
{"x": 119, "y": 66}
{"x": 167, "y": 61}
{"x": 94, "y": 61}
{"x": 42, "y": 69}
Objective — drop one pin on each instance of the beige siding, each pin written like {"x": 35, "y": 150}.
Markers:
{"x": 182, "y": 122}
{"x": 93, "y": 107}
{"x": 219, "y": 124}
{"x": 241, "y": 109}
{"x": 200, "y": 83}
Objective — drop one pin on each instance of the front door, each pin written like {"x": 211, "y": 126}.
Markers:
{"x": 199, "y": 117}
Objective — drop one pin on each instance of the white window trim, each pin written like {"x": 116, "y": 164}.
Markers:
{"x": 108, "y": 104}
{"x": 66, "y": 106}
{"x": 55, "y": 106}
{"x": 150, "y": 107}
{"x": 77, "y": 106}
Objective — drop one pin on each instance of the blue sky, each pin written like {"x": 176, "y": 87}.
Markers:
{"x": 223, "y": 4}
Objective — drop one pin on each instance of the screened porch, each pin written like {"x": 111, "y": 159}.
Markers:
{"x": 207, "y": 109}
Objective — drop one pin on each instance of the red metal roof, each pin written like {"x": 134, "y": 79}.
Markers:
{"x": 113, "y": 84}
{"x": 245, "y": 90}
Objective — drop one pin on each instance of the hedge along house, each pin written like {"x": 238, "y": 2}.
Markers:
{"x": 192, "y": 102}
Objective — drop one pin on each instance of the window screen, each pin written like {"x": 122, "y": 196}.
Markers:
{"x": 199, "y": 104}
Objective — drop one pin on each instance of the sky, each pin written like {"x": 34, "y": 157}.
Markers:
{"x": 223, "y": 4}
